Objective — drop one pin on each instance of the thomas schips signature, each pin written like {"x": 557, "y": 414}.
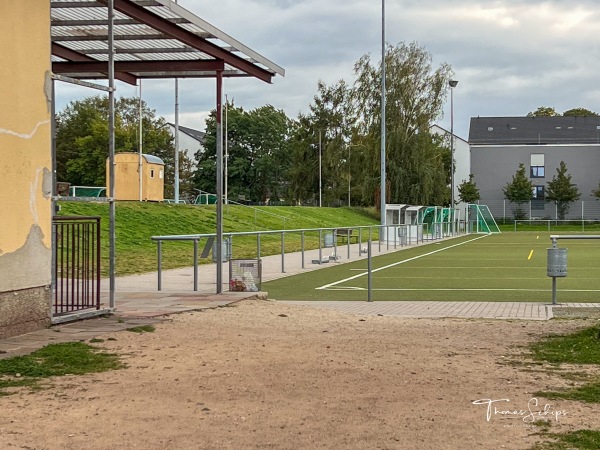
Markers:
{"x": 533, "y": 412}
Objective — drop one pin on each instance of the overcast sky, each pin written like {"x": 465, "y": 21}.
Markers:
{"x": 509, "y": 56}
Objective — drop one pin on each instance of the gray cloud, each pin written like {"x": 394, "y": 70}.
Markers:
{"x": 510, "y": 56}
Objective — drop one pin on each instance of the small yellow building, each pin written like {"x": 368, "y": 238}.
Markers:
{"x": 129, "y": 184}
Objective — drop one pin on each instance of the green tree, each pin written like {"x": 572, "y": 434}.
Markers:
{"x": 82, "y": 139}
{"x": 468, "y": 191}
{"x": 562, "y": 191}
{"x": 579, "y": 112}
{"x": 331, "y": 119}
{"x": 519, "y": 191}
{"x": 258, "y": 148}
{"x": 596, "y": 192}
{"x": 543, "y": 111}
{"x": 415, "y": 95}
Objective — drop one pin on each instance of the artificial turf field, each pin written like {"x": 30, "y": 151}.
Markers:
{"x": 499, "y": 267}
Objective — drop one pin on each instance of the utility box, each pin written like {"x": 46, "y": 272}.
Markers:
{"x": 557, "y": 262}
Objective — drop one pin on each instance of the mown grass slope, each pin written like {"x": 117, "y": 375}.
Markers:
{"x": 136, "y": 222}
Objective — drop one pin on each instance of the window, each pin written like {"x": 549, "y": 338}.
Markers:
{"x": 151, "y": 173}
{"x": 537, "y": 198}
{"x": 538, "y": 172}
{"x": 537, "y": 165}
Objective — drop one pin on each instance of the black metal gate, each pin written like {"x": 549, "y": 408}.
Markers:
{"x": 76, "y": 257}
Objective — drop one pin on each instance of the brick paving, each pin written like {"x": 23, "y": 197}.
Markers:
{"x": 472, "y": 310}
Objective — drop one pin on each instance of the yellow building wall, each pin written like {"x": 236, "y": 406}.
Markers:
{"x": 127, "y": 180}
{"x": 25, "y": 167}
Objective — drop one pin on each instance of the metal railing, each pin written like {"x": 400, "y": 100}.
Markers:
{"x": 398, "y": 236}
{"x": 76, "y": 262}
{"x": 549, "y": 223}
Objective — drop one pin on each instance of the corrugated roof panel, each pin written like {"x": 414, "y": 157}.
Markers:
{"x": 82, "y": 19}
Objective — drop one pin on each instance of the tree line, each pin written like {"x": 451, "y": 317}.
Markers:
{"x": 272, "y": 157}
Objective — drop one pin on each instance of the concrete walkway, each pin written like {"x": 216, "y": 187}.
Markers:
{"x": 139, "y": 303}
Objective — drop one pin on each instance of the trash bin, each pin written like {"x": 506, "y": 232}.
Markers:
{"x": 328, "y": 240}
{"x": 226, "y": 250}
{"x": 245, "y": 275}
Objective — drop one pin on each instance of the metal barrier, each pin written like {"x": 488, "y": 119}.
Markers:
{"x": 76, "y": 261}
{"x": 402, "y": 235}
{"x": 549, "y": 223}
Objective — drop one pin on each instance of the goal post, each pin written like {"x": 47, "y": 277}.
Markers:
{"x": 481, "y": 220}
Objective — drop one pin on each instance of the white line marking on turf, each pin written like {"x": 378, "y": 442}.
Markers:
{"x": 399, "y": 262}
{"x": 356, "y": 288}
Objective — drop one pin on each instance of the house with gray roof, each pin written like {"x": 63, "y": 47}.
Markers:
{"x": 190, "y": 140}
{"x": 499, "y": 144}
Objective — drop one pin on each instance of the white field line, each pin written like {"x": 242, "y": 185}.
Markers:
{"x": 356, "y": 288}
{"x": 327, "y": 286}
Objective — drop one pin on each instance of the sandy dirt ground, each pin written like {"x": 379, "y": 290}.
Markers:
{"x": 266, "y": 375}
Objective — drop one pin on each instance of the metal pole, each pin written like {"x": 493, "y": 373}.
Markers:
{"x": 226, "y": 151}
{"x": 111, "y": 152}
{"x": 302, "y": 247}
{"x": 369, "y": 271}
{"x": 140, "y": 146}
{"x": 383, "y": 183}
{"x": 320, "y": 172}
{"x": 176, "y": 163}
{"x": 320, "y": 246}
{"x": 282, "y": 252}
{"x": 452, "y": 145}
{"x": 195, "y": 264}
{"x": 159, "y": 268}
{"x": 349, "y": 178}
{"x": 219, "y": 184}
{"x": 258, "y": 245}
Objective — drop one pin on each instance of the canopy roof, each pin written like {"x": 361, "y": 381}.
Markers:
{"x": 152, "y": 39}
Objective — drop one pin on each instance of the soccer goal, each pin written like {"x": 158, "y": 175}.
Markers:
{"x": 481, "y": 220}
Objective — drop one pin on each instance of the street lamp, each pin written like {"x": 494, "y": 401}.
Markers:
{"x": 452, "y": 84}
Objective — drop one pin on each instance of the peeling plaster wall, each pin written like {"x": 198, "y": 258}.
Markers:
{"x": 25, "y": 166}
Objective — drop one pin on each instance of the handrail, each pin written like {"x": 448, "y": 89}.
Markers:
{"x": 365, "y": 235}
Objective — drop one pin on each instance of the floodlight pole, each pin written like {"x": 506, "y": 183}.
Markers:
{"x": 452, "y": 84}
{"x": 176, "y": 162}
{"x": 383, "y": 183}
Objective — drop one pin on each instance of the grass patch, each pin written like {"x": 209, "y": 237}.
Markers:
{"x": 142, "y": 329}
{"x": 96, "y": 340}
{"x": 589, "y": 393}
{"x": 580, "y": 439}
{"x": 70, "y": 358}
{"x": 582, "y": 347}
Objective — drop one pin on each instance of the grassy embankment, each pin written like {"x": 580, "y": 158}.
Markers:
{"x": 137, "y": 222}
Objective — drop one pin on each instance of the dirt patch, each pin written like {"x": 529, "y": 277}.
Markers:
{"x": 271, "y": 375}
